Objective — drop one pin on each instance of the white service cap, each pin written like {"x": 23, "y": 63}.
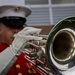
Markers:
{"x": 14, "y": 8}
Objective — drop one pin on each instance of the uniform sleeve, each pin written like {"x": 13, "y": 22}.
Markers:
{"x": 6, "y": 58}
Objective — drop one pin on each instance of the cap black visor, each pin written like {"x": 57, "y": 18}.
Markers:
{"x": 13, "y": 22}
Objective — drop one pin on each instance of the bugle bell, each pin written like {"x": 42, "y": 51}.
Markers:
{"x": 60, "y": 47}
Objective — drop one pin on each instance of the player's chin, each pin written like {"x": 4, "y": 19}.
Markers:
{"x": 10, "y": 42}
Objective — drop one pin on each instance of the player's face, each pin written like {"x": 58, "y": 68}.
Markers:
{"x": 7, "y": 34}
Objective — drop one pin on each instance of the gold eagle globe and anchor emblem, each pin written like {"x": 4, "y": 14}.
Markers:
{"x": 17, "y": 8}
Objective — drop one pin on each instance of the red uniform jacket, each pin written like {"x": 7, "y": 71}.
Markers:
{"x": 21, "y": 66}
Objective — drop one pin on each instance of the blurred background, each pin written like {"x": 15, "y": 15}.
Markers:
{"x": 47, "y": 13}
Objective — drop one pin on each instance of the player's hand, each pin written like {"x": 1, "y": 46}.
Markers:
{"x": 22, "y": 37}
